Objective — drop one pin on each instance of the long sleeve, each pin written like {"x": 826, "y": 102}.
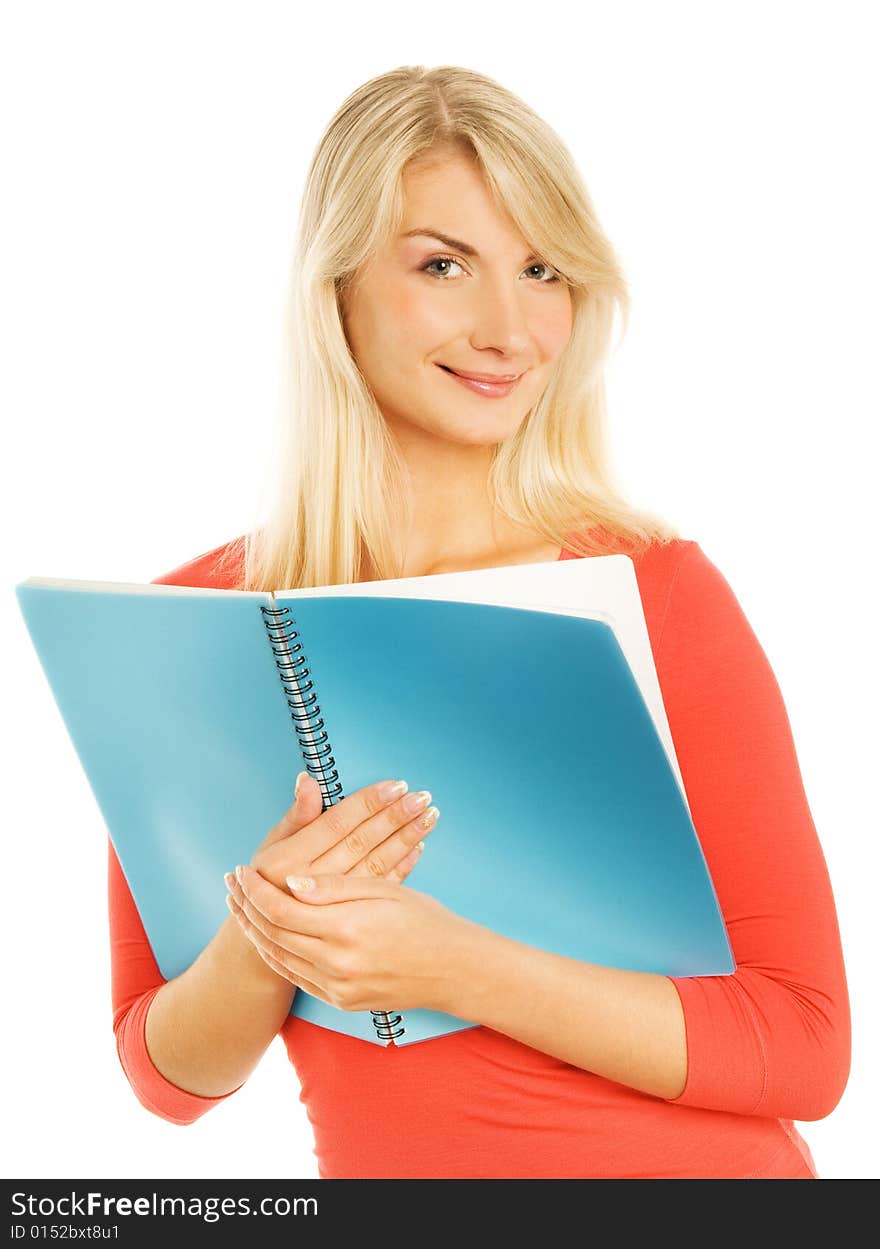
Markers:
{"x": 772, "y": 1039}
{"x": 135, "y": 979}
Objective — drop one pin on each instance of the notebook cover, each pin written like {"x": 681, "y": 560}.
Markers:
{"x": 563, "y": 824}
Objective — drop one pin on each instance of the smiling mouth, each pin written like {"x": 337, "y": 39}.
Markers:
{"x": 494, "y": 388}
{"x": 491, "y": 379}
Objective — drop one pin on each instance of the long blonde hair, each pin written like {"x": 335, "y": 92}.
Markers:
{"x": 337, "y": 482}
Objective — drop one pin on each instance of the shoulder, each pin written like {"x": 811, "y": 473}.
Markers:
{"x": 700, "y": 624}
{"x": 221, "y": 568}
{"x": 700, "y": 635}
{"x": 662, "y": 569}
{"x": 695, "y": 610}
{"x": 659, "y": 567}
{"x": 654, "y": 558}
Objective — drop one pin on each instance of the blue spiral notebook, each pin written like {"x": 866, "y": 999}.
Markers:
{"x": 564, "y": 821}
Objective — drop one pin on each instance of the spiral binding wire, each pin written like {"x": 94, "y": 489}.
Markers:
{"x": 386, "y": 1024}
{"x": 302, "y": 701}
{"x": 314, "y": 741}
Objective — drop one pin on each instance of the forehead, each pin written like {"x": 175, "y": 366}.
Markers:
{"x": 451, "y": 194}
{"x": 439, "y": 177}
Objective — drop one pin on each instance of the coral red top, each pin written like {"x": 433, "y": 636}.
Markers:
{"x": 767, "y": 1045}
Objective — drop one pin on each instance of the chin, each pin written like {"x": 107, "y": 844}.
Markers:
{"x": 482, "y": 437}
{"x": 468, "y": 431}
{"x": 473, "y": 431}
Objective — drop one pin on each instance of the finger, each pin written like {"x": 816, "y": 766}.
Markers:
{"x": 398, "y": 849}
{"x": 283, "y": 969}
{"x": 299, "y": 981}
{"x": 288, "y": 912}
{"x": 330, "y": 893}
{"x": 406, "y": 864}
{"x": 380, "y": 841}
{"x": 306, "y": 806}
{"x": 340, "y": 823}
{"x": 266, "y": 942}
{"x": 291, "y": 941}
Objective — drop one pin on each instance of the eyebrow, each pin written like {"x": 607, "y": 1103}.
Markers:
{"x": 465, "y": 248}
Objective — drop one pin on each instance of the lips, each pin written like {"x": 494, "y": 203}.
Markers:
{"x": 494, "y": 379}
{"x": 492, "y": 388}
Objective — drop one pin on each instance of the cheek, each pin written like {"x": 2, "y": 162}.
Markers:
{"x": 422, "y": 323}
{"x": 397, "y": 321}
{"x": 554, "y": 329}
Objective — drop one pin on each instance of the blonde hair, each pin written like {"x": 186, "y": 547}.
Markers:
{"x": 337, "y": 480}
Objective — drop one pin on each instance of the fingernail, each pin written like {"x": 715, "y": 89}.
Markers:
{"x": 230, "y": 881}
{"x": 300, "y": 777}
{"x": 429, "y": 817}
{"x": 239, "y": 873}
{"x": 414, "y": 803}
{"x": 393, "y": 789}
{"x": 300, "y": 884}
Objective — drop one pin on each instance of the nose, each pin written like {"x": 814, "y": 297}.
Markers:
{"x": 499, "y": 317}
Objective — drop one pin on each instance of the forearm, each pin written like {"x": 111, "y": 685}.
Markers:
{"x": 624, "y": 1025}
{"x": 207, "y": 1028}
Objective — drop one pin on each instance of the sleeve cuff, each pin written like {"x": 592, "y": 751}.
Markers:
{"x": 720, "y": 1076}
{"x": 150, "y": 1086}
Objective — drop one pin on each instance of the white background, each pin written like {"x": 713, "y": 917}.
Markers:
{"x": 154, "y": 158}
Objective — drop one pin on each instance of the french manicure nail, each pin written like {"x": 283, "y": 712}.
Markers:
{"x": 416, "y": 802}
{"x": 392, "y": 790}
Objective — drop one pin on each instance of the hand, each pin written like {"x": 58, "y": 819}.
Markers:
{"x": 364, "y": 834}
{"x": 358, "y": 944}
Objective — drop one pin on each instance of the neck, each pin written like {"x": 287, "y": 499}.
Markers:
{"x": 454, "y": 526}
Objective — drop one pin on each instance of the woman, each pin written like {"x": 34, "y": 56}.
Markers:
{"x": 452, "y": 305}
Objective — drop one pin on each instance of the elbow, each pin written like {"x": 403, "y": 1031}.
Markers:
{"x": 155, "y": 1093}
{"x": 831, "y": 1059}
{"x": 825, "y": 1091}
{"x": 157, "y": 1110}
{"x": 812, "y": 1105}
{"x": 811, "y": 1088}
{"x": 787, "y": 1050}
{"x": 144, "y": 1086}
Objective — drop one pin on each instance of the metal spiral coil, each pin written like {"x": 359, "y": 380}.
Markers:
{"x": 386, "y": 1024}
{"x": 313, "y": 739}
{"x": 291, "y": 662}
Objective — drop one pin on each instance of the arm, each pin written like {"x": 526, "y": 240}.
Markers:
{"x": 773, "y": 1038}
{"x": 188, "y": 1043}
{"x": 624, "y": 1025}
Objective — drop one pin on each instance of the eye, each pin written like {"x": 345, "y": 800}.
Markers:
{"x": 439, "y": 260}
{"x": 551, "y": 275}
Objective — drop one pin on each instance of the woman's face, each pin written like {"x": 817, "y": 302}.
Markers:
{"x": 483, "y": 304}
